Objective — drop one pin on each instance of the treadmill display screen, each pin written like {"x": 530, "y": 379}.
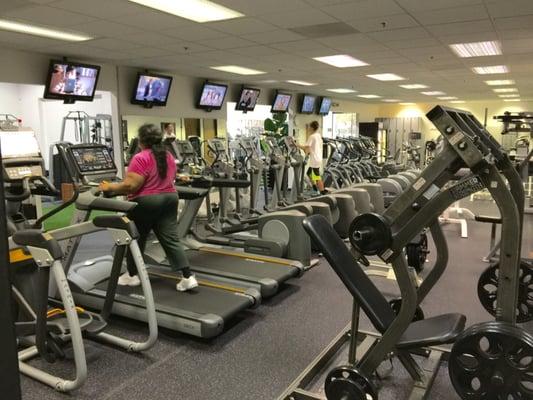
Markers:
{"x": 218, "y": 146}
{"x": 19, "y": 144}
{"x": 91, "y": 159}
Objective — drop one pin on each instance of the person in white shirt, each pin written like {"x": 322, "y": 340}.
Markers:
{"x": 313, "y": 147}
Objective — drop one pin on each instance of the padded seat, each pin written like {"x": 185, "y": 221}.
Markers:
{"x": 488, "y": 219}
{"x": 435, "y": 331}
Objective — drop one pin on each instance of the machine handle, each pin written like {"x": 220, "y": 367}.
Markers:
{"x": 26, "y": 192}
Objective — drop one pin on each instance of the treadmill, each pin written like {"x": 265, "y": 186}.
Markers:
{"x": 203, "y": 311}
{"x": 234, "y": 267}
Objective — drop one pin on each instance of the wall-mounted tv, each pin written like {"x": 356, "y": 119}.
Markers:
{"x": 212, "y": 96}
{"x": 281, "y": 102}
{"x": 247, "y": 99}
{"x": 151, "y": 89}
{"x": 308, "y": 104}
{"x": 325, "y": 106}
{"x": 71, "y": 81}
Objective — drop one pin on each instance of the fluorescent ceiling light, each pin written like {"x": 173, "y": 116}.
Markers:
{"x": 387, "y": 77}
{"x": 390, "y": 100}
{"x": 447, "y": 98}
{"x": 414, "y": 86}
{"x": 369, "y": 96}
{"x": 35, "y": 30}
{"x": 235, "y": 69}
{"x": 505, "y": 90}
{"x": 341, "y": 90}
{"x": 493, "y": 69}
{"x": 341, "y": 61}
{"x": 508, "y": 95}
{"x": 500, "y": 82}
{"x": 301, "y": 83}
{"x": 433, "y": 93}
{"x": 457, "y": 101}
{"x": 477, "y": 49}
{"x": 195, "y": 10}
{"x": 512, "y": 100}
{"x": 407, "y": 104}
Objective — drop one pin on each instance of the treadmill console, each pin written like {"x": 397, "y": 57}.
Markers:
{"x": 21, "y": 155}
{"x": 185, "y": 152}
{"x": 217, "y": 145}
{"x": 92, "y": 161}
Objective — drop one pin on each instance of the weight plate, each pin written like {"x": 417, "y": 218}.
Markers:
{"x": 487, "y": 290}
{"x": 396, "y": 304}
{"x": 347, "y": 383}
{"x": 492, "y": 361}
{"x": 417, "y": 253}
{"x": 370, "y": 234}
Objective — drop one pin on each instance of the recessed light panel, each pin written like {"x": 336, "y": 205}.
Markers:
{"x": 505, "y": 96}
{"x": 500, "y": 82}
{"x": 505, "y": 90}
{"x": 341, "y": 90}
{"x": 387, "y": 77}
{"x": 407, "y": 104}
{"x": 447, "y": 98}
{"x": 36, "y": 30}
{"x": 457, "y": 102}
{"x": 433, "y": 93}
{"x": 390, "y": 100}
{"x": 414, "y": 86}
{"x": 512, "y": 100}
{"x": 235, "y": 69}
{"x": 341, "y": 61}
{"x": 301, "y": 83}
{"x": 492, "y": 69}
{"x": 369, "y": 96}
{"x": 477, "y": 49}
{"x": 194, "y": 10}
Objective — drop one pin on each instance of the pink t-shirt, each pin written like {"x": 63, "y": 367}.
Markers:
{"x": 144, "y": 164}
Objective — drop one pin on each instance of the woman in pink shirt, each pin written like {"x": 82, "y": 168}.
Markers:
{"x": 150, "y": 183}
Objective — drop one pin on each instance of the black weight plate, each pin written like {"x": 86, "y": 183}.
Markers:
{"x": 487, "y": 290}
{"x": 492, "y": 360}
{"x": 348, "y": 383}
{"x": 396, "y": 304}
{"x": 370, "y": 234}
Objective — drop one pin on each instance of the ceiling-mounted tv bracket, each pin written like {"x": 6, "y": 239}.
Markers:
{"x": 67, "y": 101}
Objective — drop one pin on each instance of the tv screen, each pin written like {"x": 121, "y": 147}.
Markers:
{"x": 212, "y": 96}
{"x": 71, "y": 81}
{"x": 325, "y": 106}
{"x": 308, "y": 104}
{"x": 281, "y": 102}
{"x": 152, "y": 89}
{"x": 247, "y": 99}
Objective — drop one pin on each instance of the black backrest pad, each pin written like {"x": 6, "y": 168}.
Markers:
{"x": 350, "y": 272}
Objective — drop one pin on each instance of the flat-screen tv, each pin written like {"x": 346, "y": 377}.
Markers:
{"x": 308, "y": 104}
{"x": 325, "y": 106}
{"x": 247, "y": 99}
{"x": 212, "y": 96}
{"x": 281, "y": 102}
{"x": 71, "y": 81}
{"x": 151, "y": 89}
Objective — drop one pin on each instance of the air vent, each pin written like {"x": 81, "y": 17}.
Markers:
{"x": 324, "y": 30}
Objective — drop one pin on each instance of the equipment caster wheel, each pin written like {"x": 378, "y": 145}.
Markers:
{"x": 492, "y": 361}
{"x": 347, "y": 383}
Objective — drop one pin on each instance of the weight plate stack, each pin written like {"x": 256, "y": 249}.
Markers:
{"x": 348, "y": 383}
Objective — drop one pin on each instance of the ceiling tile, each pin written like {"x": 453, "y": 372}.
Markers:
{"x": 449, "y": 15}
{"x": 100, "y": 8}
{"x": 242, "y": 26}
{"x": 412, "y": 43}
{"x": 510, "y": 8}
{"x": 484, "y": 25}
{"x": 148, "y": 52}
{"x": 423, "y": 5}
{"x": 26, "y": 41}
{"x": 256, "y": 51}
{"x": 400, "y": 34}
{"x": 229, "y": 42}
{"x": 513, "y": 23}
{"x": 8, "y": 5}
{"x": 304, "y": 17}
{"x": 184, "y": 47}
{"x": 112, "y": 44}
{"x": 262, "y": 7}
{"x": 152, "y": 20}
{"x": 48, "y": 16}
{"x": 277, "y": 36}
{"x": 377, "y": 24}
{"x": 148, "y": 39}
{"x": 364, "y": 9}
{"x": 193, "y": 32}
{"x": 102, "y": 28}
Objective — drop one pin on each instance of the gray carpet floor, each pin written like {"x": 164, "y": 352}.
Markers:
{"x": 261, "y": 353}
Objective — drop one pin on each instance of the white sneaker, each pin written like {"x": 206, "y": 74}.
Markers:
{"x": 187, "y": 284}
{"x": 127, "y": 280}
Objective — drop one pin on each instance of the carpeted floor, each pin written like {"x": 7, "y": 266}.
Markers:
{"x": 261, "y": 354}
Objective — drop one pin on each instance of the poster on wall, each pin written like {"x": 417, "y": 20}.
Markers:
{"x": 168, "y": 129}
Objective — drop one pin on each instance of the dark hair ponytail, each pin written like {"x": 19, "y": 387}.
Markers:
{"x": 150, "y": 137}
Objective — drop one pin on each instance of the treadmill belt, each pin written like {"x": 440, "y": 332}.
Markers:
{"x": 242, "y": 266}
{"x": 201, "y": 300}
